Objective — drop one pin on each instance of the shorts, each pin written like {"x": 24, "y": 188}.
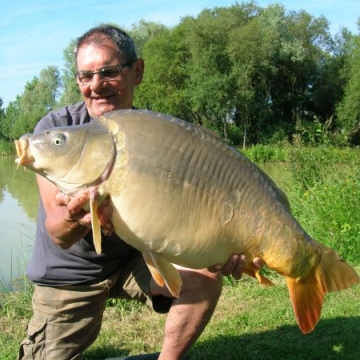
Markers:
{"x": 67, "y": 319}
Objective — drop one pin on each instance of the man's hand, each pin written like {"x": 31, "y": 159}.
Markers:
{"x": 235, "y": 266}
{"x": 76, "y": 213}
{"x": 75, "y": 205}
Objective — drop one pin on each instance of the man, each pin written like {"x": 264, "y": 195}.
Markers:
{"x": 72, "y": 282}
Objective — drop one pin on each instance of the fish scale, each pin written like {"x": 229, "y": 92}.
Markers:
{"x": 181, "y": 195}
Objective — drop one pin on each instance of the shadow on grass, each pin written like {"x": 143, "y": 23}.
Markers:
{"x": 337, "y": 339}
{"x": 332, "y": 339}
{"x": 105, "y": 352}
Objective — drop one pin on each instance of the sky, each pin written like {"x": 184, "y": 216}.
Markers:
{"x": 34, "y": 33}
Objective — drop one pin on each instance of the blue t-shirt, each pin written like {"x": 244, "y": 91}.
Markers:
{"x": 80, "y": 264}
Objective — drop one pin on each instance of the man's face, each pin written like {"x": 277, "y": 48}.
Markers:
{"x": 102, "y": 95}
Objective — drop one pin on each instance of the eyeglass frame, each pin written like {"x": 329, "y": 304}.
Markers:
{"x": 101, "y": 71}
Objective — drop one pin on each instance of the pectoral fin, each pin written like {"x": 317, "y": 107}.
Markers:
{"x": 164, "y": 273}
{"x": 95, "y": 222}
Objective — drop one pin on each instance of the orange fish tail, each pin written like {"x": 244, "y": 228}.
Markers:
{"x": 307, "y": 294}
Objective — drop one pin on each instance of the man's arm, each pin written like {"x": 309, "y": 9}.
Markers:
{"x": 66, "y": 222}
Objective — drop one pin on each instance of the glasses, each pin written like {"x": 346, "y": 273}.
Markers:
{"x": 105, "y": 73}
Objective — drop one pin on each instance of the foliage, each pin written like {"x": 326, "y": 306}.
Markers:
{"x": 349, "y": 107}
{"x": 323, "y": 186}
{"x": 70, "y": 91}
{"x": 6, "y": 148}
{"x": 144, "y": 31}
{"x": 38, "y": 99}
{"x": 281, "y": 73}
{"x": 266, "y": 153}
{"x": 326, "y": 197}
{"x": 255, "y": 75}
{"x": 165, "y": 74}
{"x": 2, "y": 122}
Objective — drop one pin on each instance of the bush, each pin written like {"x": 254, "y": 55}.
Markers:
{"x": 265, "y": 153}
{"x": 6, "y": 148}
{"x": 324, "y": 193}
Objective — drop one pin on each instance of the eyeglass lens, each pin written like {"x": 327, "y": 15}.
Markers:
{"x": 105, "y": 74}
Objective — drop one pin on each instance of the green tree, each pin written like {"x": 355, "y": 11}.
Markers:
{"x": 163, "y": 87}
{"x": 2, "y": 120}
{"x": 38, "y": 99}
{"x": 144, "y": 31}
{"x": 251, "y": 52}
{"x": 70, "y": 91}
{"x": 348, "y": 110}
{"x": 275, "y": 58}
{"x": 209, "y": 89}
{"x": 12, "y": 113}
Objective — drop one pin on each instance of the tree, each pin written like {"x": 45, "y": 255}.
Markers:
{"x": 12, "y": 114}
{"x": 209, "y": 88}
{"x": 163, "y": 87}
{"x": 38, "y": 99}
{"x": 70, "y": 90}
{"x": 2, "y": 120}
{"x": 348, "y": 110}
{"x": 252, "y": 74}
{"x": 144, "y": 31}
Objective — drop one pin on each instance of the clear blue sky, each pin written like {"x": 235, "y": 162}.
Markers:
{"x": 34, "y": 33}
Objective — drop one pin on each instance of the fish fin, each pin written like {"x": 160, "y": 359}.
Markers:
{"x": 255, "y": 273}
{"x": 164, "y": 272}
{"x": 307, "y": 297}
{"x": 95, "y": 222}
{"x": 262, "y": 279}
{"x": 153, "y": 270}
{"x": 307, "y": 294}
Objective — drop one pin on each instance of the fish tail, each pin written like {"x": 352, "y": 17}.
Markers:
{"x": 307, "y": 294}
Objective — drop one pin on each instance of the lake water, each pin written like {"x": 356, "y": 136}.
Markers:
{"x": 18, "y": 210}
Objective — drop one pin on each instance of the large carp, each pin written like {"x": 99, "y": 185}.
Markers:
{"x": 181, "y": 195}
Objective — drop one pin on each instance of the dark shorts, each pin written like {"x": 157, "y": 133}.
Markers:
{"x": 67, "y": 319}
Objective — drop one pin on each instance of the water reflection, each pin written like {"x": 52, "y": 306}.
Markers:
{"x": 18, "y": 210}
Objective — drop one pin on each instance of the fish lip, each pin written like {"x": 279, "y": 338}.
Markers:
{"x": 23, "y": 151}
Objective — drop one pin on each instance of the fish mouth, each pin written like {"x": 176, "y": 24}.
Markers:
{"x": 23, "y": 151}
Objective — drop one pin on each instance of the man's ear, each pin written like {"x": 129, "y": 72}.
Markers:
{"x": 139, "y": 71}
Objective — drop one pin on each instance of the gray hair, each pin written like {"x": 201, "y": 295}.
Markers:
{"x": 103, "y": 33}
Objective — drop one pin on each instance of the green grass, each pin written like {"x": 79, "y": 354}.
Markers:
{"x": 256, "y": 323}
{"x": 250, "y": 322}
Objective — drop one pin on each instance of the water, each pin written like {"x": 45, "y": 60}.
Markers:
{"x": 18, "y": 210}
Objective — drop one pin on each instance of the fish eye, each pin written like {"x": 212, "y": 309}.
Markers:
{"x": 58, "y": 139}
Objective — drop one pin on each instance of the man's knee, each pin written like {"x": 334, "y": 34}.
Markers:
{"x": 197, "y": 286}
{"x": 202, "y": 284}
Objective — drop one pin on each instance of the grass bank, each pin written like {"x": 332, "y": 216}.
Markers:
{"x": 251, "y": 322}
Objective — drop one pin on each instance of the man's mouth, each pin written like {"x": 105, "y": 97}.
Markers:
{"x": 102, "y": 97}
